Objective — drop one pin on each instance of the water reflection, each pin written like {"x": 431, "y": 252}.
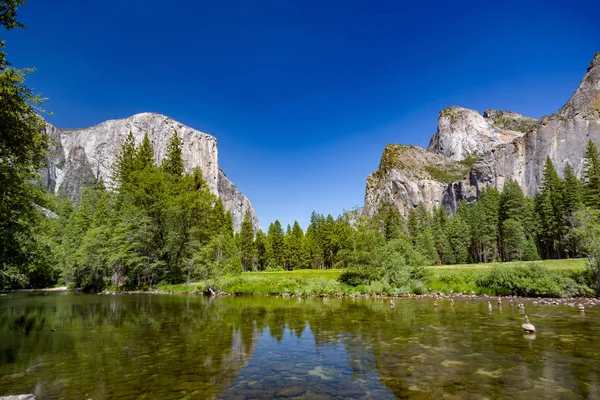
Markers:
{"x": 193, "y": 347}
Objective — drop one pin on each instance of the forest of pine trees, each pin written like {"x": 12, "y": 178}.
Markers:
{"x": 160, "y": 224}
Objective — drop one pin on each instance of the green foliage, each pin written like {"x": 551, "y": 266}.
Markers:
{"x": 551, "y": 212}
{"x": 22, "y": 151}
{"x": 588, "y": 231}
{"x": 530, "y": 281}
{"x": 144, "y": 155}
{"x": 173, "y": 162}
{"x": 247, "y": 243}
{"x": 524, "y": 125}
{"x": 591, "y": 176}
{"x": 513, "y": 239}
{"x": 125, "y": 163}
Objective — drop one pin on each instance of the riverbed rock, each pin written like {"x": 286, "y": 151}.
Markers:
{"x": 79, "y": 157}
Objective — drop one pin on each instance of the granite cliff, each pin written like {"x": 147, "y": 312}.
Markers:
{"x": 79, "y": 157}
{"x": 470, "y": 151}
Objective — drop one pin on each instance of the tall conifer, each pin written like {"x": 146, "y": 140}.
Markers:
{"x": 173, "y": 162}
{"x": 591, "y": 176}
{"x": 144, "y": 156}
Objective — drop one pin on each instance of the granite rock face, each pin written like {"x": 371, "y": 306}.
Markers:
{"x": 409, "y": 175}
{"x": 462, "y": 132}
{"x": 489, "y": 149}
{"x": 562, "y": 136}
{"x": 79, "y": 157}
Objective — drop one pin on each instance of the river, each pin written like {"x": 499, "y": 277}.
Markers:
{"x": 76, "y": 346}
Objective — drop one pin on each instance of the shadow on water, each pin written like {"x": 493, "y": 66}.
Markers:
{"x": 133, "y": 346}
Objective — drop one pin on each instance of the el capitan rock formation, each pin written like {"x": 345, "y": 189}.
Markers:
{"x": 79, "y": 157}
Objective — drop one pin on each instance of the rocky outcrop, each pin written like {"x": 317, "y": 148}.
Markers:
{"x": 78, "y": 158}
{"x": 235, "y": 202}
{"x": 463, "y": 133}
{"x": 409, "y": 175}
{"x": 495, "y": 147}
{"x": 562, "y": 137}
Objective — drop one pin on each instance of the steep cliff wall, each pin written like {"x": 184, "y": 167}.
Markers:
{"x": 79, "y": 157}
{"x": 562, "y": 136}
{"x": 488, "y": 150}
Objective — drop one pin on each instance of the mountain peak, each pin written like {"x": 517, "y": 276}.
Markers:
{"x": 585, "y": 102}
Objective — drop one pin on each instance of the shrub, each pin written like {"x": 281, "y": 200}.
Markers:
{"x": 531, "y": 281}
{"x": 355, "y": 277}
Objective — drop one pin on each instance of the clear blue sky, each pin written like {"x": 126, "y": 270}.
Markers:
{"x": 303, "y": 95}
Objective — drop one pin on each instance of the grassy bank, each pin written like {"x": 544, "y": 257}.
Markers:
{"x": 552, "y": 278}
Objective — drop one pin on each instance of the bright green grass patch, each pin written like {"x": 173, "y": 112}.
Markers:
{"x": 307, "y": 273}
{"x": 573, "y": 263}
{"x": 491, "y": 278}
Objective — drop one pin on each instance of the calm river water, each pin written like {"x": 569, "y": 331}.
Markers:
{"x": 178, "y": 346}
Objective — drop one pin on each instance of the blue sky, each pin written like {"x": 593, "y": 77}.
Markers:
{"x": 302, "y": 95}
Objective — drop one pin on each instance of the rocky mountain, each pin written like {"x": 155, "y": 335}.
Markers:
{"x": 79, "y": 157}
{"x": 470, "y": 151}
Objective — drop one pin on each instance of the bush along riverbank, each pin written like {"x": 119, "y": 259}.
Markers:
{"x": 521, "y": 279}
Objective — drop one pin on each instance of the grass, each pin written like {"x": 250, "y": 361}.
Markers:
{"x": 490, "y": 278}
{"x": 572, "y": 263}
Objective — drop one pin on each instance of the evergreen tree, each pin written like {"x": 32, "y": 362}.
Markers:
{"x": 425, "y": 245}
{"x": 591, "y": 176}
{"x": 392, "y": 221}
{"x": 489, "y": 203}
{"x": 512, "y": 206}
{"x": 314, "y": 240}
{"x": 246, "y": 243}
{"x": 125, "y": 163}
{"x": 511, "y": 202}
{"x": 442, "y": 244}
{"x": 572, "y": 204}
{"x": 513, "y": 240}
{"x": 22, "y": 151}
{"x": 551, "y": 212}
{"x": 173, "y": 162}
{"x": 275, "y": 236}
{"x": 459, "y": 238}
{"x": 144, "y": 156}
{"x": 261, "y": 244}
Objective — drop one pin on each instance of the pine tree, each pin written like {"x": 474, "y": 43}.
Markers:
{"x": 459, "y": 238}
{"x": 275, "y": 236}
{"x": 392, "y": 222}
{"x": 489, "y": 202}
{"x": 572, "y": 191}
{"x": 314, "y": 239}
{"x": 512, "y": 206}
{"x": 173, "y": 162}
{"x": 246, "y": 239}
{"x": 511, "y": 201}
{"x": 442, "y": 244}
{"x": 513, "y": 240}
{"x": 144, "y": 156}
{"x": 125, "y": 163}
{"x": 591, "y": 176}
{"x": 572, "y": 204}
{"x": 425, "y": 244}
{"x": 550, "y": 209}
{"x": 261, "y": 244}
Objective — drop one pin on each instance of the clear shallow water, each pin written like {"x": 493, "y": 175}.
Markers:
{"x": 172, "y": 346}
